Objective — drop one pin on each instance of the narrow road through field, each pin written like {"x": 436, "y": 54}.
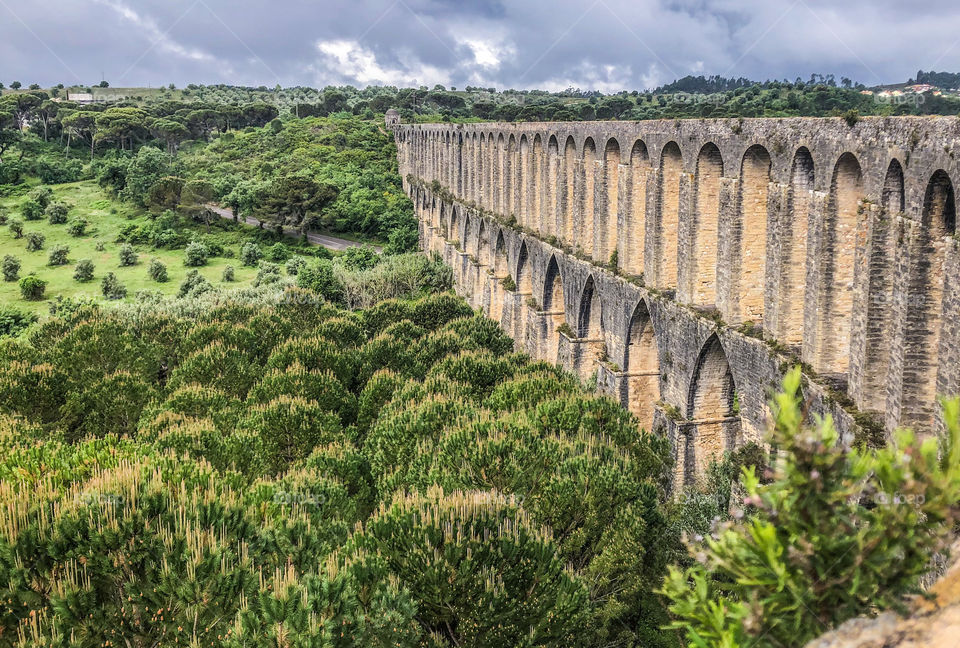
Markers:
{"x": 329, "y": 242}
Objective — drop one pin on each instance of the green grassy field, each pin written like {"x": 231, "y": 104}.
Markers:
{"x": 107, "y": 217}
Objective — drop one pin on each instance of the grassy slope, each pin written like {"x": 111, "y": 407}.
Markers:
{"x": 107, "y": 217}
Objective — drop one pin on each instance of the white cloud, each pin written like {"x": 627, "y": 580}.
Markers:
{"x": 160, "y": 39}
{"x": 347, "y": 60}
{"x": 586, "y": 76}
{"x": 487, "y": 53}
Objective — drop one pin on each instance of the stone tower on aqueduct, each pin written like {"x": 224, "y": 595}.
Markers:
{"x": 687, "y": 264}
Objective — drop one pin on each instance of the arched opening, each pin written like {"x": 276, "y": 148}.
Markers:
{"x": 754, "y": 190}
{"x": 455, "y": 225}
{"x": 642, "y": 366}
{"x": 500, "y": 268}
{"x": 925, "y": 304}
{"x": 636, "y": 227}
{"x": 880, "y": 289}
{"x": 483, "y": 244}
{"x": 483, "y": 168}
{"x": 569, "y": 173}
{"x": 500, "y": 271}
{"x": 611, "y": 180}
{"x": 593, "y": 346}
{"x": 510, "y": 185}
{"x": 474, "y": 172}
{"x": 837, "y": 264}
{"x": 554, "y": 307}
{"x": 793, "y": 269}
{"x": 550, "y": 188}
{"x": 553, "y": 301}
{"x": 500, "y": 179}
{"x": 524, "y": 272}
{"x": 706, "y": 227}
{"x": 535, "y": 189}
{"x": 712, "y": 410}
{"x": 671, "y": 169}
{"x": 588, "y": 216}
{"x": 590, "y": 317}
{"x": 524, "y": 179}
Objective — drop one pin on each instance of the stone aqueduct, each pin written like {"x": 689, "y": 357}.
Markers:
{"x": 688, "y": 263}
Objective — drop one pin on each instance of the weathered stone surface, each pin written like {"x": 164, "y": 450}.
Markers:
{"x": 931, "y": 624}
{"x": 739, "y": 246}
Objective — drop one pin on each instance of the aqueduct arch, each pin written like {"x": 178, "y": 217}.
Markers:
{"x": 642, "y": 365}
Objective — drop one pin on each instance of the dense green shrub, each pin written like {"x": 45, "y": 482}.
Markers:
{"x": 157, "y": 271}
{"x": 59, "y": 255}
{"x": 10, "y": 266}
{"x": 228, "y": 273}
{"x": 13, "y": 321}
{"x": 112, "y": 288}
{"x": 83, "y": 271}
{"x": 453, "y": 551}
{"x": 31, "y": 210}
{"x": 57, "y": 213}
{"x": 319, "y": 276}
{"x": 35, "y": 241}
{"x": 195, "y": 254}
{"x": 814, "y": 547}
{"x": 250, "y": 254}
{"x": 267, "y": 273}
{"x": 193, "y": 285}
{"x": 294, "y": 265}
{"x": 16, "y": 227}
{"x": 77, "y": 226}
{"x": 32, "y": 288}
{"x": 278, "y": 253}
{"x": 57, "y": 170}
{"x": 42, "y": 196}
{"x": 127, "y": 255}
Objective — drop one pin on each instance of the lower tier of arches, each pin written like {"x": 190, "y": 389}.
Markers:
{"x": 702, "y": 384}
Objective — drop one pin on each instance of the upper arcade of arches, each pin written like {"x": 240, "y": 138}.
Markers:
{"x": 825, "y": 138}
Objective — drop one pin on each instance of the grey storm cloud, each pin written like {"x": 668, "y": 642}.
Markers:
{"x": 592, "y": 44}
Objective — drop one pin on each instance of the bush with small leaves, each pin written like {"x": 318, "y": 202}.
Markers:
{"x": 83, "y": 271}
{"x": 59, "y": 255}
{"x": 157, "y": 271}
{"x": 16, "y": 227}
{"x": 31, "y": 210}
{"x": 195, "y": 255}
{"x": 195, "y": 284}
{"x": 128, "y": 255}
{"x": 278, "y": 253}
{"x": 35, "y": 241}
{"x": 32, "y": 288}
{"x": 57, "y": 213}
{"x": 13, "y": 320}
{"x": 100, "y": 246}
{"x": 10, "y": 267}
{"x": 294, "y": 264}
{"x": 250, "y": 254}
{"x": 77, "y": 227}
{"x": 4, "y": 216}
{"x": 43, "y": 196}
{"x": 229, "y": 274}
{"x": 112, "y": 288}
{"x": 267, "y": 274}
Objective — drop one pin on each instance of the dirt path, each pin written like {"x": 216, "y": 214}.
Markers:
{"x": 329, "y": 242}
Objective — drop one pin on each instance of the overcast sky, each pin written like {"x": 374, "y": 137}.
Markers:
{"x": 551, "y": 44}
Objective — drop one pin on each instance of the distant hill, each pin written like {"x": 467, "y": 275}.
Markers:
{"x": 949, "y": 80}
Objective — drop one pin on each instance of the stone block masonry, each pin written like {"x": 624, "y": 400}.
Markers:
{"x": 686, "y": 264}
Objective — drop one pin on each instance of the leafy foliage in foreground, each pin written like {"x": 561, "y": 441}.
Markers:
{"x": 840, "y": 531}
{"x": 264, "y": 468}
